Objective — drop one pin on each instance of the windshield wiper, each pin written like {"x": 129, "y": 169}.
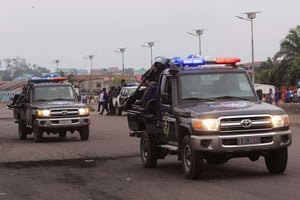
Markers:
{"x": 198, "y": 98}
{"x": 231, "y": 97}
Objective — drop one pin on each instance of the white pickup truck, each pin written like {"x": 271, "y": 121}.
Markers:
{"x": 119, "y": 100}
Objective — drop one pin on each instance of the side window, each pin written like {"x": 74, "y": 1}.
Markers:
{"x": 166, "y": 90}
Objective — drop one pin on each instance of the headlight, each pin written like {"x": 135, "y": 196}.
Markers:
{"x": 280, "y": 120}
{"x": 43, "y": 113}
{"x": 84, "y": 111}
{"x": 206, "y": 124}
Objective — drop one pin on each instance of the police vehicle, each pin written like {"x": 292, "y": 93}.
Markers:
{"x": 207, "y": 111}
{"x": 49, "y": 105}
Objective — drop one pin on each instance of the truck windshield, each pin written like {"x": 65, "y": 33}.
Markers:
{"x": 54, "y": 93}
{"x": 216, "y": 86}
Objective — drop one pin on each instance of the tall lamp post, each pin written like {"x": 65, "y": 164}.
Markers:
{"x": 56, "y": 61}
{"x": 122, "y": 51}
{"x": 198, "y": 33}
{"x": 250, "y": 17}
{"x": 90, "y": 57}
{"x": 149, "y": 45}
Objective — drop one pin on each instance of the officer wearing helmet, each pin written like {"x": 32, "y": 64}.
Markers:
{"x": 150, "y": 79}
{"x": 160, "y": 63}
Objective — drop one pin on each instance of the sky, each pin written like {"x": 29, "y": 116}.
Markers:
{"x": 42, "y": 31}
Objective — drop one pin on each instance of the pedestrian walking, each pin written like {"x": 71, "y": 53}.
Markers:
{"x": 105, "y": 102}
{"x": 100, "y": 101}
{"x": 110, "y": 100}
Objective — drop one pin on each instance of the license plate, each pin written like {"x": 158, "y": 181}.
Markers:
{"x": 65, "y": 122}
{"x": 248, "y": 140}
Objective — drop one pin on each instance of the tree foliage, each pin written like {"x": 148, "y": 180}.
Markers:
{"x": 18, "y": 67}
{"x": 284, "y": 68}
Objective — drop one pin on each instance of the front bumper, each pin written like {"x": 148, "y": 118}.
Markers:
{"x": 63, "y": 122}
{"x": 231, "y": 144}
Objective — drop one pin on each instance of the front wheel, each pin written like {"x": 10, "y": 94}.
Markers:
{"x": 192, "y": 161}
{"x": 23, "y": 130}
{"x": 276, "y": 161}
{"x": 84, "y": 132}
{"x": 148, "y": 150}
{"x": 37, "y": 133}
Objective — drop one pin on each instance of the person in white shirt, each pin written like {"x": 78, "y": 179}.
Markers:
{"x": 298, "y": 94}
{"x": 100, "y": 101}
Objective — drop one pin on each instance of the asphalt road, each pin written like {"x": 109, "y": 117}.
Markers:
{"x": 107, "y": 166}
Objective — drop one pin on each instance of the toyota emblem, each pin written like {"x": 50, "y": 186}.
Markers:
{"x": 64, "y": 112}
{"x": 246, "y": 123}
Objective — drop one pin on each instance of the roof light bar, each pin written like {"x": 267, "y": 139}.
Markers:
{"x": 45, "y": 79}
{"x": 190, "y": 61}
{"x": 196, "y": 60}
{"x": 227, "y": 60}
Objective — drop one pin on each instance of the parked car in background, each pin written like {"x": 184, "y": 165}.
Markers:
{"x": 120, "y": 99}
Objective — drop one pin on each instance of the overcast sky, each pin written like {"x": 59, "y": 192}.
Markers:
{"x": 44, "y": 30}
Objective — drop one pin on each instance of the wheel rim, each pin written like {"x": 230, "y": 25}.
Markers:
{"x": 187, "y": 156}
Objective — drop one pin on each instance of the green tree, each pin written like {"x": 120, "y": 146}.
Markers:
{"x": 18, "y": 66}
{"x": 289, "y": 54}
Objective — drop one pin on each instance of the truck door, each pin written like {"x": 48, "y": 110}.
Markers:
{"x": 167, "y": 116}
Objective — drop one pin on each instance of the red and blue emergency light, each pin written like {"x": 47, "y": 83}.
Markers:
{"x": 196, "y": 61}
{"x": 46, "y": 79}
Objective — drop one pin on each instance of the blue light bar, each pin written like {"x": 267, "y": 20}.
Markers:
{"x": 45, "y": 79}
{"x": 190, "y": 61}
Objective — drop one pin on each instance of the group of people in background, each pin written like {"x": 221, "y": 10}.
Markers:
{"x": 277, "y": 97}
{"x": 105, "y": 102}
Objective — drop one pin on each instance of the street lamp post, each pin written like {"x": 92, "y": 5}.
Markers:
{"x": 250, "y": 17}
{"x": 149, "y": 45}
{"x": 90, "y": 57}
{"x": 198, "y": 33}
{"x": 56, "y": 61}
{"x": 122, "y": 51}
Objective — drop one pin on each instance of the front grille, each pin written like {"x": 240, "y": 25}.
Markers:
{"x": 245, "y": 124}
{"x": 64, "y": 112}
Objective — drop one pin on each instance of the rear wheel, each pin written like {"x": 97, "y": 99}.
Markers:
{"x": 276, "y": 161}
{"x": 84, "y": 132}
{"x": 37, "y": 133}
{"x": 23, "y": 130}
{"x": 148, "y": 150}
{"x": 192, "y": 161}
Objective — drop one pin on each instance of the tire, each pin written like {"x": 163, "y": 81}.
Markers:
{"x": 276, "y": 161}
{"x": 84, "y": 132}
{"x": 23, "y": 130}
{"x": 148, "y": 150}
{"x": 192, "y": 161}
{"x": 62, "y": 134}
{"x": 37, "y": 133}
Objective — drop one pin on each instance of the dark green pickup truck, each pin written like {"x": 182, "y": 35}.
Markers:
{"x": 209, "y": 113}
{"x": 50, "y": 106}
